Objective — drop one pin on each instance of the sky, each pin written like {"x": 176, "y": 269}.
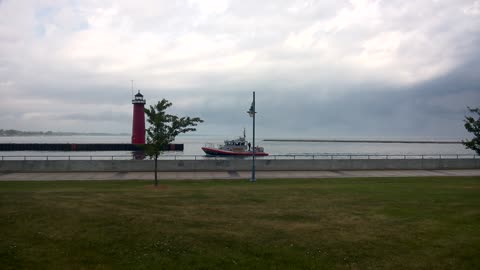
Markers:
{"x": 320, "y": 69}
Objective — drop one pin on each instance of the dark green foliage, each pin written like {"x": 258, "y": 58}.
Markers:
{"x": 163, "y": 128}
{"x": 473, "y": 126}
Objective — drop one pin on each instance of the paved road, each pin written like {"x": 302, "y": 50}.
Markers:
{"x": 229, "y": 175}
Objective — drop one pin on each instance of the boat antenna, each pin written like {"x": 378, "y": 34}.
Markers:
{"x": 244, "y": 134}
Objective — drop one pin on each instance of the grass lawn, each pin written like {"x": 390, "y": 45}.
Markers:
{"x": 389, "y": 223}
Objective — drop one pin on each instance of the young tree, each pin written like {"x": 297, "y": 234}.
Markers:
{"x": 164, "y": 128}
{"x": 473, "y": 126}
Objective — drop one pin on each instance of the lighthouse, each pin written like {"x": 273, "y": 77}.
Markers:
{"x": 138, "y": 127}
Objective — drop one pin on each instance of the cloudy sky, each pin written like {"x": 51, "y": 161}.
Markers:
{"x": 320, "y": 69}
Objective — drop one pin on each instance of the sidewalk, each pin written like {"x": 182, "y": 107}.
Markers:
{"x": 230, "y": 175}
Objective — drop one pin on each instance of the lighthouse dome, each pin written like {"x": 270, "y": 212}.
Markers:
{"x": 138, "y": 98}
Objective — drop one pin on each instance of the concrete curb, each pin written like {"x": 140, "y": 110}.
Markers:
{"x": 231, "y": 175}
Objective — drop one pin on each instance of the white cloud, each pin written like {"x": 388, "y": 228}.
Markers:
{"x": 473, "y": 9}
{"x": 67, "y": 50}
{"x": 409, "y": 56}
{"x": 210, "y": 7}
{"x": 360, "y": 12}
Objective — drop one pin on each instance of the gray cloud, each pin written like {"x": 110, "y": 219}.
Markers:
{"x": 320, "y": 68}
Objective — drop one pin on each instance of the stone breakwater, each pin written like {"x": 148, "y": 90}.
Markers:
{"x": 364, "y": 141}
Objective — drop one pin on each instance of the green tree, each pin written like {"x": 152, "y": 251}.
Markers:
{"x": 163, "y": 128}
{"x": 473, "y": 126}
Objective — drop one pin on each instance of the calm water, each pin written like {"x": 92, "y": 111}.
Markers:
{"x": 193, "y": 144}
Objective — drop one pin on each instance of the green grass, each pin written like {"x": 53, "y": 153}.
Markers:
{"x": 390, "y": 223}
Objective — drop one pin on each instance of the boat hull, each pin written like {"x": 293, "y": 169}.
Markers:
{"x": 218, "y": 152}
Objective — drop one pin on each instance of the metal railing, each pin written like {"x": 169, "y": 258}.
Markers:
{"x": 270, "y": 157}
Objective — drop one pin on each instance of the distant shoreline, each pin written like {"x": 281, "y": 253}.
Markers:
{"x": 63, "y": 134}
{"x": 19, "y": 133}
{"x": 364, "y": 141}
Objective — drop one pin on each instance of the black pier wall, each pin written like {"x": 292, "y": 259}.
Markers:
{"x": 79, "y": 147}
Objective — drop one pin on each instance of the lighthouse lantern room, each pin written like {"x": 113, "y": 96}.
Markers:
{"x": 138, "y": 127}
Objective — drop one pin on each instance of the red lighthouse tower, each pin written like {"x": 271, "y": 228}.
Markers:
{"x": 138, "y": 127}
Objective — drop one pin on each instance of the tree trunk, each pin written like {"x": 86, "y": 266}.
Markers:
{"x": 156, "y": 180}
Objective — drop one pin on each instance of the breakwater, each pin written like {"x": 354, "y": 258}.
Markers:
{"x": 364, "y": 141}
{"x": 65, "y": 147}
{"x": 235, "y": 165}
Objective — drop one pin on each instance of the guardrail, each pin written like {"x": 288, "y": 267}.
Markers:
{"x": 270, "y": 157}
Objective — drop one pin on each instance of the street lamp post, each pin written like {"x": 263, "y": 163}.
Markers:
{"x": 252, "y": 113}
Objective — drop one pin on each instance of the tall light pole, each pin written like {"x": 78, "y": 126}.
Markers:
{"x": 252, "y": 113}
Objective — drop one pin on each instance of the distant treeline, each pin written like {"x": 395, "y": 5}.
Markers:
{"x": 13, "y": 132}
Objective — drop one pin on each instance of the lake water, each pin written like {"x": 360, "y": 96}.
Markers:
{"x": 193, "y": 144}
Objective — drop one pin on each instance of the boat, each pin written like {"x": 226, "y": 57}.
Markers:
{"x": 237, "y": 147}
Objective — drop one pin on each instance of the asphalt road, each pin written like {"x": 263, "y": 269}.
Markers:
{"x": 230, "y": 175}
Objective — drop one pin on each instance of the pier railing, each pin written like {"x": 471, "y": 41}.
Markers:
{"x": 270, "y": 157}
